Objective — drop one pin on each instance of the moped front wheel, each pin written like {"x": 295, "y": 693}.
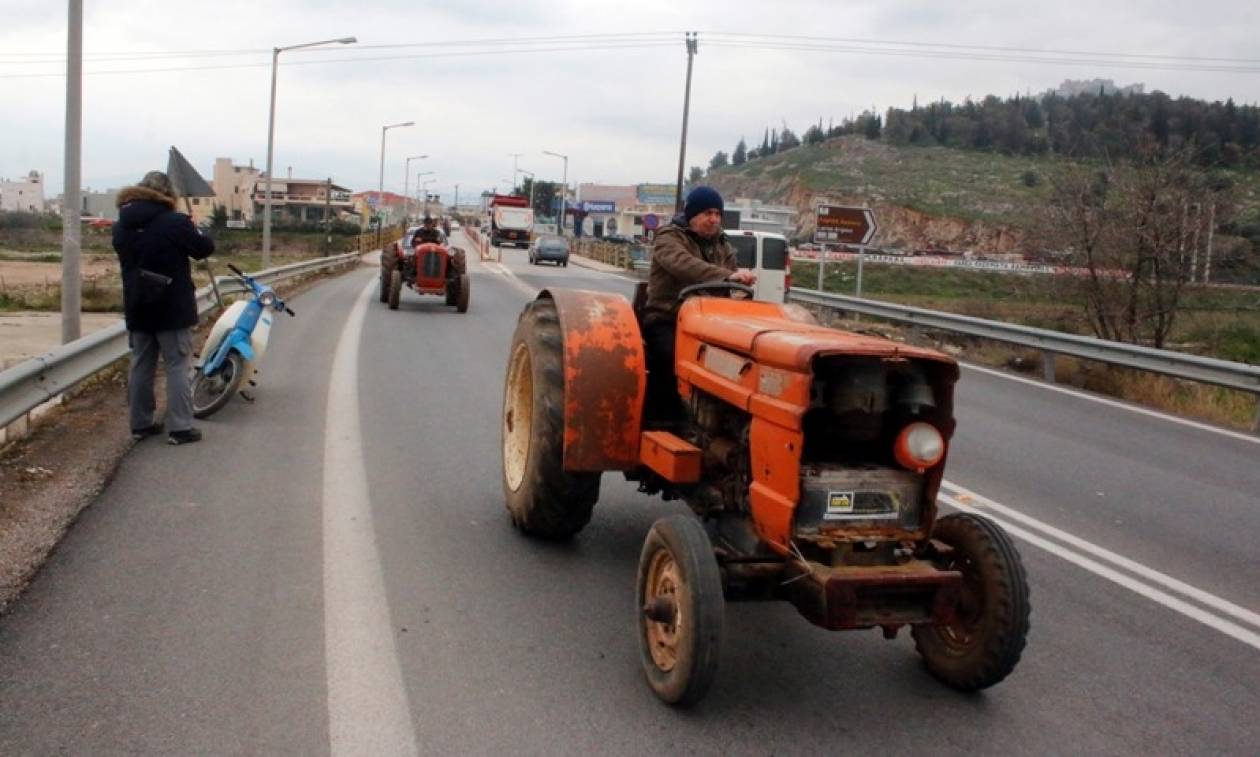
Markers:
{"x": 211, "y": 393}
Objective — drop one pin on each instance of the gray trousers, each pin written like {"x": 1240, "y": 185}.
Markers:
{"x": 176, "y": 349}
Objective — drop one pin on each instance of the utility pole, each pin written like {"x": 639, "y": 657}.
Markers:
{"x": 515, "y": 156}
{"x": 682, "y": 148}
{"x": 71, "y": 284}
{"x": 456, "y": 198}
{"x": 328, "y": 214}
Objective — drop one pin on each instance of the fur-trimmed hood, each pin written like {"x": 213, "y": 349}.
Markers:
{"x": 131, "y": 194}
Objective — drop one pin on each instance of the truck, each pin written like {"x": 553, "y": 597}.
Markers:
{"x": 511, "y": 221}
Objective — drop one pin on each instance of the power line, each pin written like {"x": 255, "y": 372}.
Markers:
{"x": 356, "y": 59}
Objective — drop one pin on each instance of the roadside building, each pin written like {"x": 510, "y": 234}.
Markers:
{"x": 101, "y": 204}
{"x": 233, "y": 189}
{"x": 302, "y": 200}
{"x": 366, "y": 203}
{"x": 624, "y": 210}
{"x": 25, "y": 194}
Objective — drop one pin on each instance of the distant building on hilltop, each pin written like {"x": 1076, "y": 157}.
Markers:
{"x": 1073, "y": 87}
{"x": 24, "y": 195}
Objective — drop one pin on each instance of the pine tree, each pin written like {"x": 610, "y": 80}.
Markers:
{"x": 741, "y": 153}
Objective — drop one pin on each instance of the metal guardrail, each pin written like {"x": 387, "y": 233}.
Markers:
{"x": 33, "y": 382}
{"x": 1231, "y": 375}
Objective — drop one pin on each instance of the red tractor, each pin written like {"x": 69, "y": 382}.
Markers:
{"x": 810, "y": 456}
{"x": 427, "y": 268}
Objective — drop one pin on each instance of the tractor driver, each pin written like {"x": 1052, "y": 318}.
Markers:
{"x": 427, "y": 233}
{"x": 691, "y": 249}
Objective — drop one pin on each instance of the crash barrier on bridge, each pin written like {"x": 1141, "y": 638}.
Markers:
{"x": 624, "y": 256}
{"x": 1231, "y": 375}
{"x": 42, "y": 379}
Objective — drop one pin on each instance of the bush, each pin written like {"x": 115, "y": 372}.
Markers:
{"x": 1030, "y": 178}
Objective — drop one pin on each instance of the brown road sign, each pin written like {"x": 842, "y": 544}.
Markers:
{"x": 836, "y": 223}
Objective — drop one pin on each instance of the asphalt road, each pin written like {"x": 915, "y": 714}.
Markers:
{"x": 332, "y": 569}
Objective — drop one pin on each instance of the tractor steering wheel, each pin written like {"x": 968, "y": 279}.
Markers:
{"x": 714, "y": 287}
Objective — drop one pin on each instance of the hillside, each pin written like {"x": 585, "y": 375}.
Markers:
{"x": 924, "y": 197}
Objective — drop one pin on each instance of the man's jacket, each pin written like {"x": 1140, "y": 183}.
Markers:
{"x": 680, "y": 258}
{"x": 149, "y": 234}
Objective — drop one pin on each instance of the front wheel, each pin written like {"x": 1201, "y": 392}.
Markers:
{"x": 680, "y": 607}
{"x": 211, "y": 393}
{"x": 984, "y": 642}
{"x": 395, "y": 289}
{"x": 464, "y": 293}
{"x": 384, "y": 293}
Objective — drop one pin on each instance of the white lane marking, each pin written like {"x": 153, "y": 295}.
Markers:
{"x": 1229, "y": 628}
{"x": 368, "y": 711}
{"x": 969, "y": 497}
{"x": 1115, "y": 403}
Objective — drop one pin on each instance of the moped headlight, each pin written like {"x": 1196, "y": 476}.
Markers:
{"x": 919, "y": 446}
{"x": 267, "y": 299}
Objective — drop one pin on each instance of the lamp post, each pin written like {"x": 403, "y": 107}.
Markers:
{"x": 271, "y": 134}
{"x": 531, "y": 186}
{"x": 514, "y": 156}
{"x": 424, "y": 192}
{"x": 406, "y": 180}
{"x": 380, "y": 186}
{"x": 422, "y": 173}
{"x": 564, "y": 188}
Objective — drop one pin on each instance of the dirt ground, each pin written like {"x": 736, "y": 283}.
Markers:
{"x": 69, "y": 457}
{"x": 24, "y": 273}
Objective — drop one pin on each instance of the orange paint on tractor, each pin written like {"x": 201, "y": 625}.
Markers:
{"x": 674, "y": 459}
{"x": 604, "y": 380}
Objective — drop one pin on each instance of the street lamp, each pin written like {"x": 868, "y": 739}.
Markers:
{"x": 424, "y": 190}
{"x": 407, "y": 176}
{"x": 514, "y": 156}
{"x": 422, "y": 173}
{"x": 380, "y": 187}
{"x": 564, "y": 188}
{"x": 271, "y": 133}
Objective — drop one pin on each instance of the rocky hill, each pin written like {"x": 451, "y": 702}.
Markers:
{"x": 924, "y": 197}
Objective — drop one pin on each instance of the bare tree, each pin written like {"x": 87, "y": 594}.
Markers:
{"x": 1135, "y": 234}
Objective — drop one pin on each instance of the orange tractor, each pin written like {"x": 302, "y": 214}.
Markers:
{"x": 812, "y": 458}
{"x": 427, "y": 268}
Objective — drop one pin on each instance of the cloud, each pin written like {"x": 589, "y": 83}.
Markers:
{"x": 616, "y": 111}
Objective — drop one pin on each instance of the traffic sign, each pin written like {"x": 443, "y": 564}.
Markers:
{"x": 651, "y": 222}
{"x": 837, "y": 223}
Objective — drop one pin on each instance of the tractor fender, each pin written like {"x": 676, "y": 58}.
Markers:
{"x": 605, "y": 379}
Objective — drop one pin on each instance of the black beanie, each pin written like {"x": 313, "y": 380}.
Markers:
{"x": 701, "y": 199}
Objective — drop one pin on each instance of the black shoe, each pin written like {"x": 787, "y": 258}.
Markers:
{"x": 139, "y": 434}
{"x": 187, "y": 436}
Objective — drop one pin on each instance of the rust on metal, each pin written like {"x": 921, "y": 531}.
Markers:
{"x": 604, "y": 380}
{"x": 844, "y": 597}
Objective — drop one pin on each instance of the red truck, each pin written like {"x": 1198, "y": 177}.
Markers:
{"x": 511, "y": 221}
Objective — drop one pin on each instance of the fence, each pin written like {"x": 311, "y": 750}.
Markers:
{"x": 621, "y": 255}
{"x": 31, "y": 383}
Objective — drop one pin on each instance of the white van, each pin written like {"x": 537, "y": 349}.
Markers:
{"x": 766, "y": 255}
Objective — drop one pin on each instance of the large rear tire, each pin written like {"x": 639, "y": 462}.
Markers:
{"x": 211, "y": 393}
{"x": 680, "y": 610}
{"x": 543, "y": 498}
{"x": 395, "y": 289}
{"x": 384, "y": 285}
{"x": 983, "y": 644}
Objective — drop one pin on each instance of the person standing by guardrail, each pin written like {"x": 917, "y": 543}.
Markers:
{"x": 154, "y": 244}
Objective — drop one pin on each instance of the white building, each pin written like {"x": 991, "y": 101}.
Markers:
{"x": 26, "y": 195}
{"x": 754, "y": 215}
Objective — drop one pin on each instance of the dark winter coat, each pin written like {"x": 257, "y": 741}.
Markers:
{"x": 149, "y": 234}
{"x": 680, "y": 258}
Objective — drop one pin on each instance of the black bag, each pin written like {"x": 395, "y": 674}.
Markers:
{"x": 151, "y": 286}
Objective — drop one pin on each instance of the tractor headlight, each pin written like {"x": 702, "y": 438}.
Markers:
{"x": 919, "y": 446}
{"x": 267, "y": 299}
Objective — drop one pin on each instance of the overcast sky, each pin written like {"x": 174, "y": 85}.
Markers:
{"x": 615, "y": 110}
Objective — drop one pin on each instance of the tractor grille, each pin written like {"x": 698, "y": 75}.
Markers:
{"x": 431, "y": 266}
{"x": 859, "y": 497}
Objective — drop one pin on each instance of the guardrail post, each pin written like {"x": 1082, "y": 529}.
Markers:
{"x": 1047, "y": 366}
{"x": 1255, "y": 424}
